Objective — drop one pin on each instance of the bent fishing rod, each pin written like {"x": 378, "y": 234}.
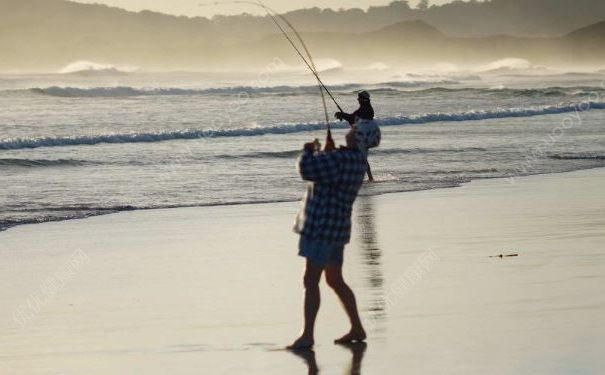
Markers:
{"x": 271, "y": 13}
{"x": 311, "y": 68}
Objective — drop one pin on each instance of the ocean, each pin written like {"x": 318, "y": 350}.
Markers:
{"x": 99, "y": 141}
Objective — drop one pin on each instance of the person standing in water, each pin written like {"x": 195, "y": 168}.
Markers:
{"x": 365, "y": 112}
{"x": 324, "y": 223}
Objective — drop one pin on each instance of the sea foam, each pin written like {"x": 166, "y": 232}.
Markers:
{"x": 89, "y": 67}
{"x": 24, "y": 143}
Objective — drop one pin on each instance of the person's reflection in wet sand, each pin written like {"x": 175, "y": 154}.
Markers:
{"x": 357, "y": 351}
{"x": 372, "y": 254}
{"x": 308, "y": 355}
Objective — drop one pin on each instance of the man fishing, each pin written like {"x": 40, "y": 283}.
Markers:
{"x": 364, "y": 113}
{"x": 324, "y": 224}
{"x": 335, "y": 178}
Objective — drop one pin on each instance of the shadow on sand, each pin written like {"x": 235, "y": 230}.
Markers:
{"x": 357, "y": 353}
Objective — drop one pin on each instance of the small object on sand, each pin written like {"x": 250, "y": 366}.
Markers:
{"x": 504, "y": 256}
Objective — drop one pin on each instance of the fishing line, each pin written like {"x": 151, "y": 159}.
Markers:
{"x": 311, "y": 65}
{"x": 308, "y": 53}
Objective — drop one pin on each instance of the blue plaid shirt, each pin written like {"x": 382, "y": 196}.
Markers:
{"x": 336, "y": 179}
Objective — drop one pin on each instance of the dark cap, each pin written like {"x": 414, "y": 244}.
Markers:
{"x": 364, "y": 95}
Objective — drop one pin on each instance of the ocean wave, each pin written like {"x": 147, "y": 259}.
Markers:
{"x": 574, "y": 91}
{"x": 262, "y": 155}
{"x": 412, "y": 151}
{"x": 24, "y": 143}
{"x": 87, "y": 208}
{"x": 491, "y": 114}
{"x": 110, "y": 92}
{"x": 36, "y": 163}
{"x": 127, "y": 91}
{"x": 404, "y": 88}
{"x": 452, "y": 76}
{"x": 84, "y": 67}
{"x": 577, "y": 156}
{"x": 463, "y": 171}
{"x": 63, "y": 213}
{"x": 511, "y": 64}
{"x": 415, "y": 84}
{"x": 288, "y": 154}
{"x": 53, "y": 214}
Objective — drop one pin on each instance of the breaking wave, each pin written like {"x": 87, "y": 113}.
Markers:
{"x": 24, "y": 143}
{"x": 62, "y": 213}
{"x": 398, "y": 87}
{"x": 127, "y": 91}
{"x": 511, "y": 64}
{"x": 85, "y": 67}
{"x": 577, "y": 156}
{"x": 38, "y": 163}
{"x": 379, "y": 151}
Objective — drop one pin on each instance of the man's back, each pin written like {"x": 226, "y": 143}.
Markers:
{"x": 337, "y": 177}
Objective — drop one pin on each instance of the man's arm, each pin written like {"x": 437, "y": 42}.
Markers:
{"x": 365, "y": 112}
{"x": 322, "y": 168}
{"x": 350, "y": 118}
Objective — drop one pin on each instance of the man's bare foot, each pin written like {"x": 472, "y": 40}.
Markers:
{"x": 352, "y": 336}
{"x": 301, "y": 343}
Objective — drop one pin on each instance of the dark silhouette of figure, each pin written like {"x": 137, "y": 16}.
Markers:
{"x": 364, "y": 112}
{"x": 324, "y": 225}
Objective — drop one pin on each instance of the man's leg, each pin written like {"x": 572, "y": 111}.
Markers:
{"x": 347, "y": 297}
{"x": 370, "y": 176}
{"x": 312, "y": 300}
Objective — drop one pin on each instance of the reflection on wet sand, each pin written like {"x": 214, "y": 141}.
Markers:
{"x": 357, "y": 353}
{"x": 372, "y": 254}
{"x": 308, "y": 355}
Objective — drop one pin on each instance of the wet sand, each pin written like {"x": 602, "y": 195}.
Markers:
{"x": 218, "y": 289}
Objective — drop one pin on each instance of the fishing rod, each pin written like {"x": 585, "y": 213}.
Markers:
{"x": 270, "y": 12}
{"x": 307, "y": 52}
{"x": 311, "y": 68}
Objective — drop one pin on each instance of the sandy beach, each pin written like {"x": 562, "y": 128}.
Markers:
{"x": 218, "y": 289}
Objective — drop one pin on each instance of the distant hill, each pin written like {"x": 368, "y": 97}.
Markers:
{"x": 417, "y": 42}
{"x": 37, "y": 33}
{"x": 587, "y": 42}
{"x": 592, "y": 33}
{"x": 49, "y": 34}
{"x": 530, "y": 18}
{"x": 415, "y": 29}
{"x": 536, "y": 18}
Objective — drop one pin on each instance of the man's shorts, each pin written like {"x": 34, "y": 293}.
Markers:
{"x": 321, "y": 253}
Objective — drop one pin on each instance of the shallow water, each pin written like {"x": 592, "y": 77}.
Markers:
{"x": 80, "y": 145}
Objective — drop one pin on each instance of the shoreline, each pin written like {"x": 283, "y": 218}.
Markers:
{"x": 134, "y": 209}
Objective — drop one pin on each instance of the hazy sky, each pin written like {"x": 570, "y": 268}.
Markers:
{"x": 192, "y": 7}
